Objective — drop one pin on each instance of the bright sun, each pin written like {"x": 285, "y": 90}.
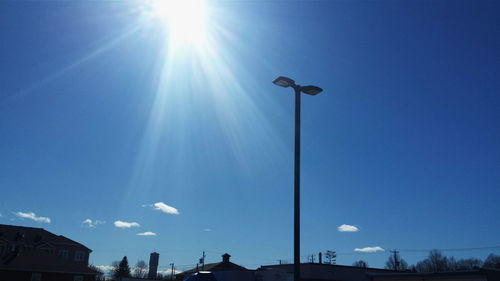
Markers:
{"x": 186, "y": 20}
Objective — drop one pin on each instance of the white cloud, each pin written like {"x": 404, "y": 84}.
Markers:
{"x": 370, "y": 249}
{"x": 347, "y": 228}
{"x": 207, "y": 229}
{"x": 147, "y": 233}
{"x": 168, "y": 272}
{"x": 32, "y": 216}
{"x": 91, "y": 223}
{"x": 105, "y": 267}
{"x": 160, "y": 206}
{"x": 124, "y": 224}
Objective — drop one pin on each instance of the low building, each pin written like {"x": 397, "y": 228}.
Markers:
{"x": 470, "y": 275}
{"x": 223, "y": 271}
{"x": 316, "y": 272}
{"x": 28, "y": 253}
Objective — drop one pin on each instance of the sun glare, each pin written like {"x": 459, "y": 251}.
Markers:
{"x": 186, "y": 20}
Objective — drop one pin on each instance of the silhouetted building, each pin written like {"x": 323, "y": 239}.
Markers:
{"x": 153, "y": 265}
{"x": 224, "y": 270}
{"x": 469, "y": 275}
{"x": 28, "y": 253}
{"x": 316, "y": 272}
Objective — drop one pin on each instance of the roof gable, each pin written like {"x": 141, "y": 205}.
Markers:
{"x": 218, "y": 266}
{"x": 34, "y": 236}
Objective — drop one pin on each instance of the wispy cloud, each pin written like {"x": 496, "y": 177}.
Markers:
{"x": 91, "y": 223}
{"x": 32, "y": 216}
{"x": 207, "y": 229}
{"x": 160, "y": 206}
{"x": 147, "y": 233}
{"x": 370, "y": 249}
{"x": 168, "y": 272}
{"x": 124, "y": 224}
{"x": 347, "y": 228}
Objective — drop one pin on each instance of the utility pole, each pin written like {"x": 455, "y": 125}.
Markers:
{"x": 172, "y": 274}
{"x": 202, "y": 261}
{"x": 396, "y": 259}
{"x": 320, "y": 257}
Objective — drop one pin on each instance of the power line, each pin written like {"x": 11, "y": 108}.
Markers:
{"x": 452, "y": 249}
{"x": 422, "y": 250}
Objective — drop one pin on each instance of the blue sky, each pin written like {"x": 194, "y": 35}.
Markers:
{"x": 103, "y": 113}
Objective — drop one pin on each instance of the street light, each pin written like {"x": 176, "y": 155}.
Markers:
{"x": 310, "y": 90}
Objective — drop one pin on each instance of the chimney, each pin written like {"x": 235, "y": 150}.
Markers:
{"x": 153, "y": 265}
{"x": 225, "y": 258}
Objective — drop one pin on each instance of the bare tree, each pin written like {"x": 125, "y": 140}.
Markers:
{"x": 141, "y": 269}
{"x": 360, "y": 263}
{"x": 492, "y": 261}
{"x": 330, "y": 257}
{"x": 111, "y": 273}
{"x": 436, "y": 262}
{"x": 396, "y": 263}
{"x": 469, "y": 264}
{"x": 100, "y": 276}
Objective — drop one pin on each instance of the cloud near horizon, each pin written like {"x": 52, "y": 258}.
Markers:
{"x": 105, "y": 267}
{"x": 91, "y": 223}
{"x": 347, "y": 228}
{"x": 124, "y": 224}
{"x": 147, "y": 233}
{"x": 160, "y": 206}
{"x": 32, "y": 216}
{"x": 370, "y": 249}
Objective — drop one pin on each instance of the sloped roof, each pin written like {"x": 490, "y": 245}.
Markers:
{"x": 34, "y": 236}
{"x": 218, "y": 266}
{"x": 35, "y": 261}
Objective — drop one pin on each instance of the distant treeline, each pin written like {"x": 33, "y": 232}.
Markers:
{"x": 437, "y": 262}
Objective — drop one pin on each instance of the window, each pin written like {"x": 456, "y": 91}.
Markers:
{"x": 49, "y": 251}
{"x": 78, "y": 278}
{"x": 79, "y": 256}
{"x": 36, "y": 277}
{"x": 63, "y": 254}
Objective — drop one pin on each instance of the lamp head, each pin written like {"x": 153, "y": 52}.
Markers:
{"x": 283, "y": 81}
{"x": 311, "y": 90}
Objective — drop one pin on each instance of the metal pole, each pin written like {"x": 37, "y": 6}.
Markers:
{"x": 203, "y": 261}
{"x": 296, "y": 207}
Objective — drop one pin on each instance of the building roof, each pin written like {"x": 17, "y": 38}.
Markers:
{"x": 224, "y": 265}
{"x": 35, "y": 261}
{"x": 317, "y": 271}
{"x": 325, "y": 265}
{"x": 218, "y": 266}
{"x": 34, "y": 236}
{"x": 491, "y": 274}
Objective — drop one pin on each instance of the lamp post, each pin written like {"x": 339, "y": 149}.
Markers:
{"x": 310, "y": 90}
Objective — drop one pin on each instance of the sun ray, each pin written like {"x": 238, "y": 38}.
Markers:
{"x": 199, "y": 79}
{"x": 71, "y": 66}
